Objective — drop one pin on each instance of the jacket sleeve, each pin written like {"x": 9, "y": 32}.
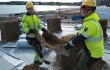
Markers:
{"x": 89, "y": 30}
{"x": 77, "y": 40}
{"x": 25, "y": 25}
{"x": 39, "y": 23}
{"x": 74, "y": 41}
{"x": 86, "y": 32}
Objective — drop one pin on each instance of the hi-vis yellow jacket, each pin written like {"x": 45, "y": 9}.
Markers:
{"x": 30, "y": 22}
{"x": 91, "y": 35}
{"x": 92, "y": 30}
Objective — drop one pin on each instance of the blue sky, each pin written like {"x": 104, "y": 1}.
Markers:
{"x": 44, "y": 0}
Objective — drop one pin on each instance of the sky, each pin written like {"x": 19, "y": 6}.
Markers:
{"x": 44, "y": 0}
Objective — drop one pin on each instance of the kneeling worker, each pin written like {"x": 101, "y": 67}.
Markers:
{"x": 91, "y": 35}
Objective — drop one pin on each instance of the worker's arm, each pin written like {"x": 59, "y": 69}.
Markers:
{"x": 86, "y": 32}
{"x": 43, "y": 29}
{"x": 25, "y": 27}
{"x": 39, "y": 23}
{"x": 76, "y": 40}
{"x": 40, "y": 26}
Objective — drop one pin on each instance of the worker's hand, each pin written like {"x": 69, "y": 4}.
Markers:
{"x": 44, "y": 30}
{"x": 67, "y": 46}
{"x": 32, "y": 31}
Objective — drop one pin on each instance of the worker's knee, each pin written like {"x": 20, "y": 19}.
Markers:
{"x": 82, "y": 67}
{"x": 78, "y": 69}
{"x": 29, "y": 42}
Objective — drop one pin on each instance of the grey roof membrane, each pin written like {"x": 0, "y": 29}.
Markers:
{"x": 9, "y": 62}
{"x": 25, "y": 52}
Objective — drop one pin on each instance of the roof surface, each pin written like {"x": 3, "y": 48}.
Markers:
{"x": 26, "y": 53}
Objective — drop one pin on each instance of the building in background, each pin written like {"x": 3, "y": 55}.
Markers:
{"x": 103, "y": 2}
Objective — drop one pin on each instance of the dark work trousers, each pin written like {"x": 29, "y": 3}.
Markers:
{"x": 36, "y": 45}
{"x": 85, "y": 61}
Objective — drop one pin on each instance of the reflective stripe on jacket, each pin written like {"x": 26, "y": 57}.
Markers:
{"x": 30, "y": 22}
{"x": 92, "y": 30}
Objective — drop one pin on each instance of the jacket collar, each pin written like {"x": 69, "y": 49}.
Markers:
{"x": 92, "y": 16}
{"x": 28, "y": 14}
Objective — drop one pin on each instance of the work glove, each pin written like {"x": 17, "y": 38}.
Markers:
{"x": 44, "y": 30}
{"x": 68, "y": 46}
{"x": 32, "y": 31}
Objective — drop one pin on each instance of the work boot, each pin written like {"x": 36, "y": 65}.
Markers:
{"x": 47, "y": 62}
{"x": 38, "y": 62}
